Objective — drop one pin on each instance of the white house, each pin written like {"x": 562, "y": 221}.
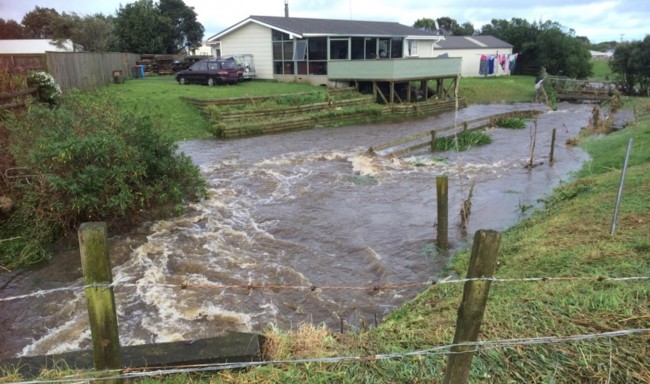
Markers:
{"x": 474, "y": 49}
{"x": 302, "y": 49}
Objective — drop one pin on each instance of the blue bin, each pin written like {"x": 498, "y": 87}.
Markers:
{"x": 140, "y": 69}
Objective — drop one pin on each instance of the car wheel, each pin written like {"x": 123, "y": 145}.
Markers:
{"x": 182, "y": 80}
{"x": 211, "y": 81}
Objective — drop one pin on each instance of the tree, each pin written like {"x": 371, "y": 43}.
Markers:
{"x": 186, "y": 30}
{"x": 465, "y": 29}
{"x": 563, "y": 54}
{"x": 87, "y": 33}
{"x": 10, "y": 29}
{"x": 447, "y": 25}
{"x": 518, "y": 32}
{"x": 140, "y": 28}
{"x": 426, "y": 24}
{"x": 167, "y": 27}
{"x": 38, "y": 23}
{"x": 543, "y": 44}
{"x": 631, "y": 63}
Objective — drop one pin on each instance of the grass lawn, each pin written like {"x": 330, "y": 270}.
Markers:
{"x": 601, "y": 70}
{"x": 160, "y": 96}
{"x": 497, "y": 90}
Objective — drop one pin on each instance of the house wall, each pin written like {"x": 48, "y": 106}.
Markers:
{"x": 256, "y": 40}
{"x": 472, "y": 59}
{"x": 425, "y": 48}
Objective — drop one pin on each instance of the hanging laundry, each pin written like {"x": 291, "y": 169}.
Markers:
{"x": 513, "y": 62}
{"x": 483, "y": 66}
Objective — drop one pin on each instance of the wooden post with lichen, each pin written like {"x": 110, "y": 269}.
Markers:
{"x": 552, "y": 155}
{"x": 433, "y": 141}
{"x": 470, "y": 313}
{"x": 95, "y": 262}
{"x": 442, "y": 190}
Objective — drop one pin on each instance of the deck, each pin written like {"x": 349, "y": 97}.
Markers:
{"x": 401, "y": 72}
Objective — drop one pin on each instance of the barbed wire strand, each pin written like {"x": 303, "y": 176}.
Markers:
{"x": 132, "y": 373}
{"x": 388, "y": 287}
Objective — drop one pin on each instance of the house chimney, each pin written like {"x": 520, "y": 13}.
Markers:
{"x": 286, "y": 8}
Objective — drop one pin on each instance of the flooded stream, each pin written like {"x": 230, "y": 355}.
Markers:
{"x": 309, "y": 209}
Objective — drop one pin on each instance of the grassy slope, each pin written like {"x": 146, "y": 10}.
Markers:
{"x": 490, "y": 90}
{"x": 161, "y": 97}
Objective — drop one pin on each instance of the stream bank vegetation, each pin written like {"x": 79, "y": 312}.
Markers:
{"x": 462, "y": 141}
{"x": 86, "y": 160}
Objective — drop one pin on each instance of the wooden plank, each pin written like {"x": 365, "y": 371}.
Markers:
{"x": 229, "y": 347}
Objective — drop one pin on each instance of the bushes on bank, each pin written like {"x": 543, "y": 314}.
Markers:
{"x": 87, "y": 160}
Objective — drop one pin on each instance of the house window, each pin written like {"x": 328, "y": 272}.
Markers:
{"x": 339, "y": 49}
{"x": 412, "y": 48}
{"x": 279, "y": 36}
{"x": 357, "y": 48}
{"x": 371, "y": 47}
{"x": 300, "y": 53}
{"x": 283, "y": 52}
{"x": 396, "y": 48}
{"x": 318, "y": 48}
{"x": 317, "y": 56}
{"x": 384, "y": 48}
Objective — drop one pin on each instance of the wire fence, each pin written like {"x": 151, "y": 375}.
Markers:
{"x": 478, "y": 346}
{"x": 275, "y": 287}
{"x": 443, "y": 350}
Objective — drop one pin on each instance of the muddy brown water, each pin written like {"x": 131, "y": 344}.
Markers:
{"x": 307, "y": 208}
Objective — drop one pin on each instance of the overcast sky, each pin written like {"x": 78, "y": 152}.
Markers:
{"x": 605, "y": 20}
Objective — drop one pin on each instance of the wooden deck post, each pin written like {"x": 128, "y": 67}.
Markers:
{"x": 470, "y": 313}
{"x": 93, "y": 244}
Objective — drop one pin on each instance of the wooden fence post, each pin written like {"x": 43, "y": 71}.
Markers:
{"x": 552, "y": 156}
{"x": 470, "y": 313}
{"x": 433, "y": 141}
{"x": 93, "y": 244}
{"x": 442, "y": 189}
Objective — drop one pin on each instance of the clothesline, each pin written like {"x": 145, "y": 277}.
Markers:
{"x": 490, "y": 63}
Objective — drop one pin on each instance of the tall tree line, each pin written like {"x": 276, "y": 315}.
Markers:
{"x": 144, "y": 26}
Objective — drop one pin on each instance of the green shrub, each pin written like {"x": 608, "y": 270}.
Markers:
{"x": 511, "y": 123}
{"x": 48, "y": 89}
{"x": 462, "y": 141}
{"x": 89, "y": 161}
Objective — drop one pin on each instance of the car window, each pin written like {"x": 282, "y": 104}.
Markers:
{"x": 213, "y": 66}
{"x": 200, "y": 66}
{"x": 228, "y": 64}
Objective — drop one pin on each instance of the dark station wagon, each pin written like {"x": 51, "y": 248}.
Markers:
{"x": 211, "y": 72}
